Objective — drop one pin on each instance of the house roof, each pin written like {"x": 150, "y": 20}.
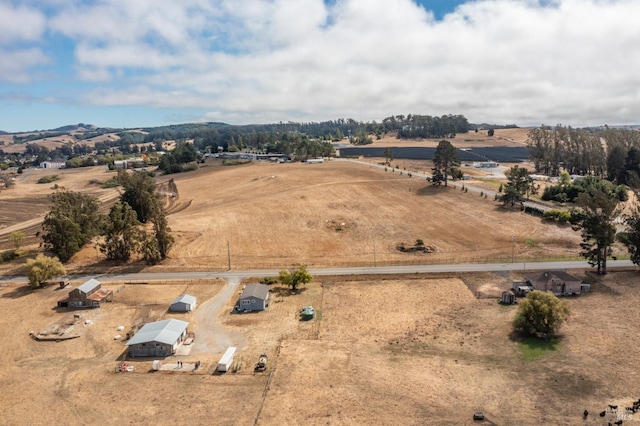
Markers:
{"x": 259, "y": 291}
{"x": 185, "y": 298}
{"x": 546, "y": 276}
{"x": 166, "y": 331}
{"x": 89, "y": 286}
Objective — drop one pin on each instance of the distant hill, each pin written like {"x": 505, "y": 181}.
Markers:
{"x": 486, "y": 126}
{"x": 74, "y": 127}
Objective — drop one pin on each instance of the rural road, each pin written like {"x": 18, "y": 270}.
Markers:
{"x": 367, "y": 270}
{"x": 216, "y": 338}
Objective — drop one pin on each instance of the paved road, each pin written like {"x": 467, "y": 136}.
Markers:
{"x": 368, "y": 270}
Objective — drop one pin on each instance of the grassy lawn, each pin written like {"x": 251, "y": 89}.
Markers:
{"x": 533, "y": 348}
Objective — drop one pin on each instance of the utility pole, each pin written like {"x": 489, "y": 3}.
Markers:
{"x": 229, "y": 255}
{"x": 513, "y": 248}
{"x": 374, "y": 253}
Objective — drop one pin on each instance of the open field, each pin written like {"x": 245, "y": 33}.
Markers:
{"x": 338, "y": 214}
{"x": 381, "y": 350}
{"x": 264, "y": 215}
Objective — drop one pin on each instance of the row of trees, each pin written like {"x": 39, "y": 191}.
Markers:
{"x": 610, "y": 153}
{"x": 75, "y": 220}
{"x": 594, "y": 215}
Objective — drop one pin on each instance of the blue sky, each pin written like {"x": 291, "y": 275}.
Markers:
{"x": 119, "y": 63}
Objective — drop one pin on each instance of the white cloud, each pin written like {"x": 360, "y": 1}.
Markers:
{"x": 19, "y": 23}
{"x": 15, "y": 64}
{"x": 522, "y": 61}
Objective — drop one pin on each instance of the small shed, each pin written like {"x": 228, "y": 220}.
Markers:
{"x": 508, "y": 298}
{"x": 254, "y": 297}
{"x": 184, "y": 303}
{"x": 158, "y": 339}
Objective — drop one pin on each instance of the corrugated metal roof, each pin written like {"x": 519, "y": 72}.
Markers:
{"x": 88, "y": 286}
{"x": 185, "y": 298}
{"x": 259, "y": 291}
{"x": 166, "y": 331}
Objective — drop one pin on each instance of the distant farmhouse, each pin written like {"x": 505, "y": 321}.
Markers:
{"x": 184, "y": 303}
{"x": 131, "y": 163}
{"x": 254, "y": 297}
{"x": 88, "y": 295}
{"x": 53, "y": 165}
{"x": 560, "y": 283}
{"x": 158, "y": 339}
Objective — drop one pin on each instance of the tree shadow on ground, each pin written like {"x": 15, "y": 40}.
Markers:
{"x": 284, "y": 291}
{"x": 24, "y": 290}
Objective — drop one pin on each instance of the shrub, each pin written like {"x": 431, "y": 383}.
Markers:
{"x": 48, "y": 179}
{"x": 8, "y": 255}
{"x": 111, "y": 183}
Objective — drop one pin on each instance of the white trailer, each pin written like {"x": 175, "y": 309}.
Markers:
{"x": 227, "y": 359}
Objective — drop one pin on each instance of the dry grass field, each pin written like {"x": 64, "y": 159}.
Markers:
{"x": 387, "y": 350}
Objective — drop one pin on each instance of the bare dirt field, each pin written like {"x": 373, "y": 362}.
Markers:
{"x": 381, "y": 350}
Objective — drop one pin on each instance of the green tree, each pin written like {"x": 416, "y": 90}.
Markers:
{"x": 140, "y": 193}
{"x": 298, "y": 276}
{"x": 149, "y": 249}
{"x": 42, "y": 268}
{"x": 122, "y": 235}
{"x": 388, "y": 155}
{"x": 616, "y": 164}
{"x": 541, "y": 314}
{"x": 16, "y": 238}
{"x": 519, "y": 184}
{"x": 445, "y": 161}
{"x": 594, "y": 218}
{"x": 71, "y": 223}
{"x": 162, "y": 233}
{"x": 631, "y": 237}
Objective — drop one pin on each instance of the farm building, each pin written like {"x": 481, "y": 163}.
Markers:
{"x": 184, "y": 303}
{"x": 88, "y": 295}
{"x": 53, "y": 165}
{"x": 254, "y": 297}
{"x": 160, "y": 338}
{"x": 131, "y": 163}
{"x": 559, "y": 283}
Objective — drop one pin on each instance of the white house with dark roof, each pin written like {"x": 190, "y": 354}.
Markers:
{"x": 183, "y": 303}
{"x": 158, "y": 339}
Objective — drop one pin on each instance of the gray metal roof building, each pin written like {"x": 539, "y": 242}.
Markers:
{"x": 165, "y": 331}
{"x": 184, "y": 303}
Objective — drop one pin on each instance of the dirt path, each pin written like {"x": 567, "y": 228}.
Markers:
{"x": 211, "y": 335}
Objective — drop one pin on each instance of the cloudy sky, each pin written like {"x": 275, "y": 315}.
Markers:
{"x": 128, "y": 63}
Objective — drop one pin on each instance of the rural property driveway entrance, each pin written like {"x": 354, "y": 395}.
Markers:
{"x": 211, "y": 335}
